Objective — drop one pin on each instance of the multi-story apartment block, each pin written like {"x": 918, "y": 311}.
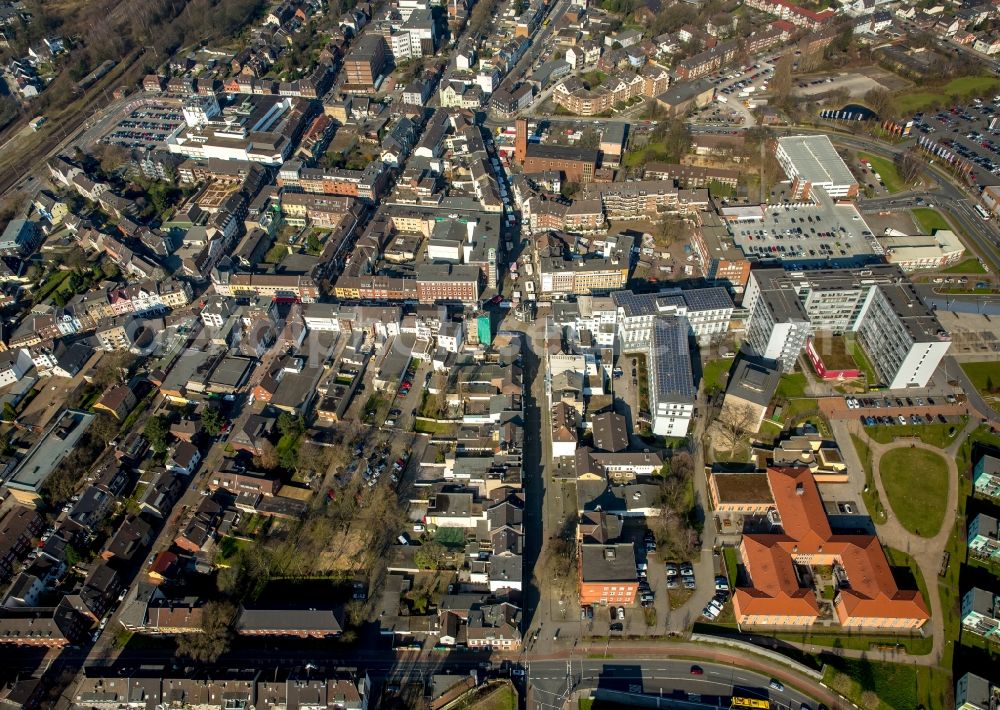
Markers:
{"x": 574, "y": 96}
{"x": 986, "y": 476}
{"x": 649, "y": 198}
{"x": 981, "y": 612}
{"x": 289, "y": 287}
{"x": 973, "y": 692}
{"x": 367, "y": 185}
{"x": 903, "y": 339}
{"x": 365, "y": 62}
{"x": 984, "y": 537}
{"x": 900, "y": 334}
{"x": 671, "y": 383}
{"x": 797, "y": 15}
{"x": 706, "y": 310}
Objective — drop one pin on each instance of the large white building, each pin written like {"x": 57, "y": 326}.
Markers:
{"x": 657, "y": 325}
{"x": 671, "y": 383}
{"x": 706, "y": 310}
{"x": 812, "y": 161}
{"x": 902, "y": 337}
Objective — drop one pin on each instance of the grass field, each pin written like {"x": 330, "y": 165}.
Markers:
{"x": 952, "y": 92}
{"x": 985, "y": 377}
{"x": 793, "y": 385}
{"x": 937, "y": 434}
{"x": 714, "y": 374}
{"x": 916, "y": 481}
{"x": 870, "y": 496}
{"x": 886, "y": 170}
{"x": 863, "y": 363}
{"x": 898, "y": 686}
{"x": 966, "y": 266}
{"x": 929, "y": 219}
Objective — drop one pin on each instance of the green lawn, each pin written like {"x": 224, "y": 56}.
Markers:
{"x": 898, "y": 686}
{"x": 914, "y": 645}
{"x": 422, "y": 426}
{"x": 793, "y": 385}
{"x": 715, "y": 373}
{"x": 732, "y": 565}
{"x": 886, "y": 170}
{"x": 862, "y": 361}
{"x": 985, "y": 376}
{"x": 801, "y": 409}
{"x": 503, "y": 698}
{"x": 967, "y": 266}
{"x": 953, "y": 91}
{"x": 916, "y": 482}
{"x": 936, "y": 434}
{"x": 870, "y": 495}
{"x": 929, "y": 219}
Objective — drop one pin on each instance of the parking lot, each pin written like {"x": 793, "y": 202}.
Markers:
{"x": 146, "y": 126}
{"x": 969, "y": 132}
{"x": 887, "y": 409}
{"x": 818, "y": 232}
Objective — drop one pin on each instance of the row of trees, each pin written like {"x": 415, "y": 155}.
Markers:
{"x": 676, "y": 531}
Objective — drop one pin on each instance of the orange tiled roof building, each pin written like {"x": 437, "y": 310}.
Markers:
{"x": 867, "y": 598}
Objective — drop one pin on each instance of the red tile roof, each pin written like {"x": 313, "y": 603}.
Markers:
{"x": 872, "y": 592}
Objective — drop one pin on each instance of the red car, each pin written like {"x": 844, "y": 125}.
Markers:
{"x": 696, "y": 670}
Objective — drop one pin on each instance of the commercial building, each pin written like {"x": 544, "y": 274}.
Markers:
{"x": 257, "y": 128}
{"x": 686, "y": 95}
{"x": 812, "y": 161}
{"x": 913, "y": 253}
{"x": 901, "y": 335}
{"x": 866, "y": 595}
{"x": 608, "y": 574}
{"x": 577, "y": 164}
{"x": 48, "y": 452}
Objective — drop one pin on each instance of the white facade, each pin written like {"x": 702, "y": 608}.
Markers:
{"x": 13, "y": 366}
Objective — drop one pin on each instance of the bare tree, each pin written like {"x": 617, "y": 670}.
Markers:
{"x": 736, "y": 422}
{"x": 910, "y": 165}
{"x": 781, "y": 82}
{"x": 882, "y": 102}
{"x": 215, "y": 637}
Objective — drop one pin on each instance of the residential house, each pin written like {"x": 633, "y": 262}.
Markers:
{"x": 981, "y": 612}
{"x": 984, "y": 537}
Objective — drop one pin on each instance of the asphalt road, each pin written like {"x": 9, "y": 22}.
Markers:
{"x": 552, "y": 682}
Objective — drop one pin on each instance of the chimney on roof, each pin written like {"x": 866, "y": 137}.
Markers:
{"x": 800, "y": 489}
